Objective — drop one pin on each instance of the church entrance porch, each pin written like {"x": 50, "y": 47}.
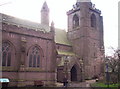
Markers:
{"x": 72, "y": 70}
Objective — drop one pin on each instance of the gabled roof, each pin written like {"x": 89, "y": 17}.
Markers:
{"x": 60, "y": 34}
{"x": 61, "y": 37}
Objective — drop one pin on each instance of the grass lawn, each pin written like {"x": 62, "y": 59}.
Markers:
{"x": 112, "y": 86}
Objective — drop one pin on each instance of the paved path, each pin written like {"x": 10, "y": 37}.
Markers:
{"x": 78, "y": 84}
{"x": 82, "y": 84}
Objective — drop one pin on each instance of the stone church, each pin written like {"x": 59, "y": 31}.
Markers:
{"x": 33, "y": 52}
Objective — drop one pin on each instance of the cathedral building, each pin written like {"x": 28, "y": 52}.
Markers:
{"x": 33, "y": 52}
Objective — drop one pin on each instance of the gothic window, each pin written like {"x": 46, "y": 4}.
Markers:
{"x": 6, "y": 54}
{"x": 75, "y": 21}
{"x": 34, "y": 57}
{"x": 93, "y": 20}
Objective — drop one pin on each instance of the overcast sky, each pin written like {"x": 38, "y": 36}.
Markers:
{"x": 30, "y": 10}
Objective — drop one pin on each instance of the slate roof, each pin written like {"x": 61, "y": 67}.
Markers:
{"x": 60, "y": 34}
{"x": 61, "y": 37}
{"x": 67, "y": 53}
{"x": 24, "y": 23}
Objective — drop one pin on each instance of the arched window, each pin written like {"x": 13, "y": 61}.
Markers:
{"x": 75, "y": 21}
{"x": 93, "y": 20}
{"x": 34, "y": 57}
{"x": 6, "y": 54}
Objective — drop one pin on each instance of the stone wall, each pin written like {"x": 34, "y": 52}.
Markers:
{"x": 21, "y": 40}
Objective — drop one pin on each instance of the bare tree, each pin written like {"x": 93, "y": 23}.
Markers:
{"x": 113, "y": 62}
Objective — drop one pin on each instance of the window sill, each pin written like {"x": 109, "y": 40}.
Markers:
{"x": 10, "y": 68}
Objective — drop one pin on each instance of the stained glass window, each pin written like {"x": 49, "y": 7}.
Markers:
{"x": 6, "y": 54}
{"x": 34, "y": 57}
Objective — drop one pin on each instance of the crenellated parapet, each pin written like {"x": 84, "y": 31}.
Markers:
{"x": 77, "y": 6}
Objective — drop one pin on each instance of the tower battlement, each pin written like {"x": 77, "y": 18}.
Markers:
{"x": 77, "y": 7}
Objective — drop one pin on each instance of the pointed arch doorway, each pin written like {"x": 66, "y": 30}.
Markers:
{"x": 73, "y": 73}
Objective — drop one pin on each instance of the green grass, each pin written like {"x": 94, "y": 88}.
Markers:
{"x": 113, "y": 86}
